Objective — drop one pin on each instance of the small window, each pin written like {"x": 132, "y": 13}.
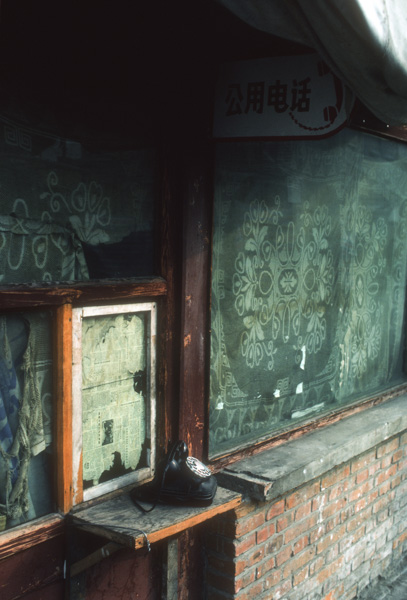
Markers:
{"x": 26, "y": 420}
{"x": 114, "y": 355}
{"x": 308, "y": 281}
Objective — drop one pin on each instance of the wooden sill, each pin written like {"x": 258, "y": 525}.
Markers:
{"x": 119, "y": 520}
{"x": 29, "y": 534}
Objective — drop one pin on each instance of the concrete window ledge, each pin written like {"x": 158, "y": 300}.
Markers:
{"x": 276, "y": 471}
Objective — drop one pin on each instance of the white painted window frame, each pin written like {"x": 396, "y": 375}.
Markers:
{"x": 143, "y": 474}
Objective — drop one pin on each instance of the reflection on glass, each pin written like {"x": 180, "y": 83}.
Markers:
{"x": 25, "y": 417}
{"x": 308, "y": 281}
{"x": 114, "y": 395}
{"x": 73, "y": 211}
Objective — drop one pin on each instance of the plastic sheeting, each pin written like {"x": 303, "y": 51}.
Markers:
{"x": 363, "y": 42}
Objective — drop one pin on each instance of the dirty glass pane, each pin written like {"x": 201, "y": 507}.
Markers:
{"x": 73, "y": 209}
{"x": 25, "y": 417}
{"x": 308, "y": 280}
{"x": 115, "y": 411}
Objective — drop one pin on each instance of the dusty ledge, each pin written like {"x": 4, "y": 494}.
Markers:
{"x": 276, "y": 471}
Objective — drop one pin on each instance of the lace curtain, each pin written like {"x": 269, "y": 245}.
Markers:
{"x": 308, "y": 280}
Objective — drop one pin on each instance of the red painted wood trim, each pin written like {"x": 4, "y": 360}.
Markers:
{"x": 34, "y": 532}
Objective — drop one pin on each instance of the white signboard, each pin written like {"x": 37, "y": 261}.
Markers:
{"x": 284, "y": 97}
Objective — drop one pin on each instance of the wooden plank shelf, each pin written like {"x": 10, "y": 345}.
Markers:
{"x": 120, "y": 520}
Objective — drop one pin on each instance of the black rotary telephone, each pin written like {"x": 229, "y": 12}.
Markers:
{"x": 181, "y": 479}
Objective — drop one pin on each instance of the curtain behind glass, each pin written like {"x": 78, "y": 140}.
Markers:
{"x": 308, "y": 280}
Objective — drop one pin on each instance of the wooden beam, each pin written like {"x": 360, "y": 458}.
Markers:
{"x": 26, "y": 296}
{"x": 63, "y": 406}
{"x": 195, "y": 302}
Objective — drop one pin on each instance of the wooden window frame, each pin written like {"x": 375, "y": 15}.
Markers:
{"x": 195, "y": 328}
{"x": 61, "y": 299}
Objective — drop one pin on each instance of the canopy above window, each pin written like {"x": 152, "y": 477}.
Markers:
{"x": 363, "y": 42}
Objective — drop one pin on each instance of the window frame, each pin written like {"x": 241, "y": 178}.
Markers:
{"x": 198, "y": 231}
{"x": 145, "y": 473}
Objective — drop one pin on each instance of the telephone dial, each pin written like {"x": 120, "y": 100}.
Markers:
{"x": 180, "y": 479}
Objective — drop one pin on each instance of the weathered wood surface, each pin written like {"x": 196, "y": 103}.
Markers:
{"x": 121, "y": 521}
{"x": 34, "y": 532}
{"x": 23, "y": 296}
{"x": 35, "y": 573}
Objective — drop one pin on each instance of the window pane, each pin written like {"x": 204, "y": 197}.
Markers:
{"x": 73, "y": 209}
{"x": 308, "y": 280}
{"x": 117, "y": 394}
{"x": 25, "y": 417}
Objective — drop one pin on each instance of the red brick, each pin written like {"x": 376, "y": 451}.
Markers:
{"x": 300, "y": 528}
{"x": 396, "y": 481}
{"x": 333, "y": 508}
{"x": 338, "y": 490}
{"x": 334, "y": 522}
{"x": 360, "y": 505}
{"x": 265, "y": 567}
{"x": 359, "y": 519}
{"x": 362, "y": 476}
{"x": 374, "y": 468}
{"x": 275, "y": 543}
{"x": 284, "y": 555}
{"x": 301, "y": 544}
{"x": 319, "y": 501}
{"x": 383, "y": 503}
{"x": 294, "y": 564}
{"x": 250, "y": 523}
{"x": 329, "y": 570}
{"x": 238, "y": 548}
{"x": 385, "y": 488}
{"x": 284, "y": 522}
{"x": 302, "y": 511}
{"x": 273, "y": 578}
{"x": 331, "y": 539}
{"x": 388, "y": 447}
{"x": 316, "y": 534}
{"x": 402, "y": 464}
{"x": 266, "y": 532}
{"x": 372, "y": 496}
{"x": 397, "y": 455}
{"x": 335, "y": 594}
{"x": 335, "y": 477}
{"x": 386, "y": 462}
{"x": 316, "y": 565}
{"x": 384, "y": 475}
{"x": 244, "y": 509}
{"x": 250, "y": 593}
{"x": 244, "y": 581}
{"x": 363, "y": 460}
{"x": 282, "y": 590}
{"x": 360, "y": 491}
{"x": 301, "y": 576}
{"x": 302, "y": 495}
{"x": 400, "y": 540}
{"x": 275, "y": 510}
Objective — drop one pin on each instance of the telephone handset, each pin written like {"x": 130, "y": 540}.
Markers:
{"x": 181, "y": 479}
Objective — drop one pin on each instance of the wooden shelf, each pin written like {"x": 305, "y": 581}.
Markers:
{"x": 119, "y": 520}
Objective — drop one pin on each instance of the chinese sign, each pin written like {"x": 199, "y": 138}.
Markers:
{"x": 290, "y": 97}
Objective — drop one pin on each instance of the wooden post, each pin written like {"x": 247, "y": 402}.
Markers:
{"x": 63, "y": 406}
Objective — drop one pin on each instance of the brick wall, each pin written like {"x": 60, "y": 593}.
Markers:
{"x": 325, "y": 540}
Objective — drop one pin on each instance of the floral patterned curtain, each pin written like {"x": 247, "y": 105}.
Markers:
{"x": 308, "y": 280}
